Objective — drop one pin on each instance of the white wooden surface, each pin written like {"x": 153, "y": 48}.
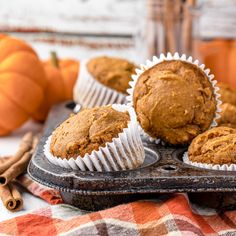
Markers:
{"x": 78, "y": 28}
{"x": 73, "y": 16}
{"x": 218, "y": 20}
{"x": 83, "y": 51}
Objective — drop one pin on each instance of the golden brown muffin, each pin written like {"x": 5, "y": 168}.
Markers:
{"x": 112, "y": 72}
{"x": 215, "y": 146}
{"x": 87, "y": 131}
{"x": 228, "y": 115}
{"x": 174, "y": 101}
{"x": 228, "y": 94}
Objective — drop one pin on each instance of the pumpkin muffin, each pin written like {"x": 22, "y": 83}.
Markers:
{"x": 174, "y": 101}
{"x": 215, "y": 146}
{"x": 112, "y": 72}
{"x": 87, "y": 131}
{"x": 97, "y": 139}
{"x": 228, "y": 115}
{"x": 228, "y": 94}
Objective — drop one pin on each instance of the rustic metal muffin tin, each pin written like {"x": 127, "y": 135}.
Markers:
{"x": 162, "y": 172}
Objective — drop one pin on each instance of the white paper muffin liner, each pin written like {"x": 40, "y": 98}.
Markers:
{"x": 224, "y": 167}
{"x": 90, "y": 93}
{"x": 169, "y": 57}
{"x": 122, "y": 153}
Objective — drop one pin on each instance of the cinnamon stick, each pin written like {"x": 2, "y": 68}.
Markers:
{"x": 151, "y": 35}
{"x": 169, "y": 26}
{"x": 187, "y": 26}
{"x": 25, "y": 146}
{"x": 160, "y": 31}
{"x": 34, "y": 144}
{"x": 178, "y": 4}
{"x": 7, "y": 198}
{"x": 3, "y": 159}
{"x": 17, "y": 197}
{"x": 11, "y": 198}
{"x": 18, "y": 167}
{"x": 15, "y": 170}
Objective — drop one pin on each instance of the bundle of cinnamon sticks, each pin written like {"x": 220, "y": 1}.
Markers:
{"x": 11, "y": 167}
{"x": 169, "y": 26}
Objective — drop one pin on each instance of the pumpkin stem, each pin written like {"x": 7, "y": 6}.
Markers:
{"x": 54, "y": 59}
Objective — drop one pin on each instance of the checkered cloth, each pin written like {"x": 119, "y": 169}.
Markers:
{"x": 49, "y": 195}
{"x": 166, "y": 216}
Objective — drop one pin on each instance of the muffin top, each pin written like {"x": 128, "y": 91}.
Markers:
{"x": 112, "y": 72}
{"x": 87, "y": 131}
{"x": 228, "y": 94}
{"x": 228, "y": 115}
{"x": 215, "y": 146}
{"x": 174, "y": 101}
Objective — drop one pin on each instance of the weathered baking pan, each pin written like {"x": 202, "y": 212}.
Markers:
{"x": 162, "y": 172}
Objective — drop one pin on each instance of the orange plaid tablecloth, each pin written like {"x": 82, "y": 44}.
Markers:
{"x": 165, "y": 216}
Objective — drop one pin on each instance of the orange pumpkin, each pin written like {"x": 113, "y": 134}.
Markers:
{"x": 22, "y": 83}
{"x": 231, "y": 67}
{"x": 219, "y": 55}
{"x": 61, "y": 76}
{"x": 69, "y": 70}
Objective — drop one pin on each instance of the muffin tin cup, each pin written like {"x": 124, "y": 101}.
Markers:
{"x": 123, "y": 153}
{"x": 90, "y": 93}
{"x": 169, "y": 57}
{"x": 224, "y": 167}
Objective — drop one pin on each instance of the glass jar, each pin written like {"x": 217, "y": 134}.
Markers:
{"x": 169, "y": 26}
{"x": 214, "y": 38}
{"x": 163, "y": 26}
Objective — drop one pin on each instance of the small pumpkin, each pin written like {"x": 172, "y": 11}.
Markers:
{"x": 22, "y": 83}
{"x": 231, "y": 65}
{"x": 61, "y": 76}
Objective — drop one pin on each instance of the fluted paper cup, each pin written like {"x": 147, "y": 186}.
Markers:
{"x": 122, "y": 153}
{"x": 91, "y": 93}
{"x": 224, "y": 167}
